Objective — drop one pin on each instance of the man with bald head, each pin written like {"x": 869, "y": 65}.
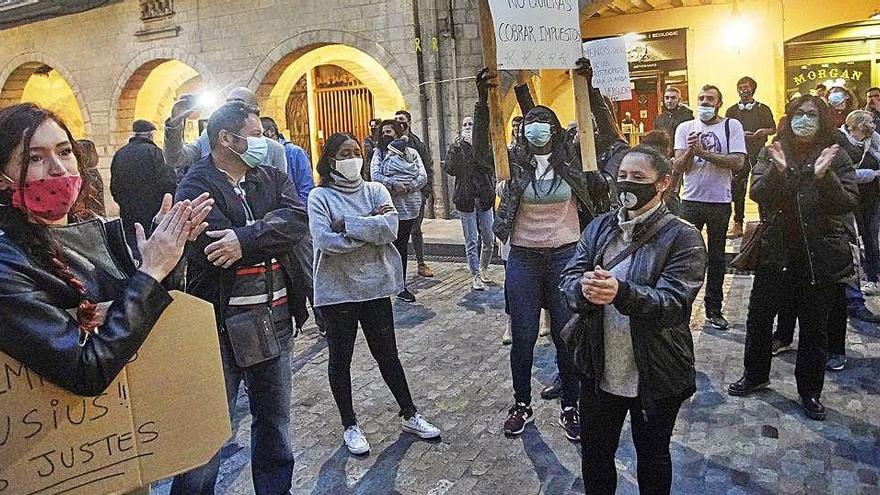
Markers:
{"x": 181, "y": 156}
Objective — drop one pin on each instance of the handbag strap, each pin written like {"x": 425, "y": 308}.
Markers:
{"x": 633, "y": 247}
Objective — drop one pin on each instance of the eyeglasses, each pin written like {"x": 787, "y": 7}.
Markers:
{"x": 801, "y": 113}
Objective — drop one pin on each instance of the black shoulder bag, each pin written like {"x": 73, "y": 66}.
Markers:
{"x": 252, "y": 333}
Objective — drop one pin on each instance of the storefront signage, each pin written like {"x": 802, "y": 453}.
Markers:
{"x": 662, "y": 51}
{"x": 823, "y": 74}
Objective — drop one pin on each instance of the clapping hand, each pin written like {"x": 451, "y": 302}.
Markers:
{"x": 774, "y": 151}
{"x": 161, "y": 252}
{"x": 201, "y": 207}
{"x": 823, "y": 163}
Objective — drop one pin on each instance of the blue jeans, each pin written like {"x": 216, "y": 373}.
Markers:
{"x": 532, "y": 282}
{"x": 268, "y": 389}
{"x": 477, "y": 228}
{"x": 869, "y": 229}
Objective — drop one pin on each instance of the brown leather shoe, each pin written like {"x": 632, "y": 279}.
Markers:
{"x": 425, "y": 271}
{"x": 736, "y": 231}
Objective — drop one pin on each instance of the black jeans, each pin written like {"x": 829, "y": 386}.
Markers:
{"x": 837, "y": 322}
{"x": 404, "y": 229}
{"x": 602, "y": 417}
{"x": 738, "y": 185}
{"x": 813, "y": 305}
{"x": 377, "y": 322}
{"x": 715, "y": 217}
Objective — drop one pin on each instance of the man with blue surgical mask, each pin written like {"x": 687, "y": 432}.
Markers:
{"x": 245, "y": 267}
{"x": 181, "y": 156}
{"x": 708, "y": 151}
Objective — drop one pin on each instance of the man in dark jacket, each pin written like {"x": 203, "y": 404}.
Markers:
{"x": 674, "y": 113}
{"x": 418, "y": 242}
{"x": 243, "y": 266}
{"x": 474, "y": 197}
{"x": 139, "y": 179}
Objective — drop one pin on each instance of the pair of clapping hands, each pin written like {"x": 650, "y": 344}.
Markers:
{"x": 177, "y": 223}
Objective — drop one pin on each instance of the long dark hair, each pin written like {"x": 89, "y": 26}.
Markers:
{"x": 825, "y": 137}
{"x": 18, "y": 124}
{"x": 328, "y": 156}
{"x": 558, "y": 149}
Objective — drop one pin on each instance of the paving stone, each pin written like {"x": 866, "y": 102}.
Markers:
{"x": 459, "y": 375}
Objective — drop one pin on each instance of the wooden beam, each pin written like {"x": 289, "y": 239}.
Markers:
{"x": 584, "y": 114}
{"x": 595, "y": 7}
{"x": 497, "y": 133}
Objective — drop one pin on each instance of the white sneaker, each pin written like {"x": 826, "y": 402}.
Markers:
{"x": 871, "y": 289}
{"x": 477, "y": 283}
{"x": 417, "y": 425}
{"x": 544, "y": 326}
{"x": 484, "y": 276}
{"x": 507, "y": 339}
{"x": 356, "y": 441}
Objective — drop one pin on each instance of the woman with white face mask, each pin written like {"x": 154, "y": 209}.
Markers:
{"x": 357, "y": 270}
{"x": 805, "y": 185}
{"x": 842, "y": 102}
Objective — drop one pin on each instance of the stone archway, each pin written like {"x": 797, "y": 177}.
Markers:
{"x": 175, "y": 69}
{"x": 38, "y": 78}
{"x": 307, "y": 62}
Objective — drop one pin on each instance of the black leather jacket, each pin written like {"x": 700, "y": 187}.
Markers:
{"x": 664, "y": 278}
{"x": 805, "y": 216}
{"x": 281, "y": 225}
{"x": 37, "y": 330}
{"x": 473, "y": 179}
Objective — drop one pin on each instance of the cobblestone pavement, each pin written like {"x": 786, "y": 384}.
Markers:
{"x": 460, "y": 378}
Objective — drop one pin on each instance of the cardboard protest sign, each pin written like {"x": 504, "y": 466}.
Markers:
{"x": 610, "y": 67}
{"x": 536, "y": 34}
{"x": 164, "y": 414}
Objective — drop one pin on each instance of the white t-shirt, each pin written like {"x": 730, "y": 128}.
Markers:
{"x": 707, "y": 182}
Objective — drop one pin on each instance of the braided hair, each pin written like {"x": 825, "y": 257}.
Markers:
{"x": 18, "y": 124}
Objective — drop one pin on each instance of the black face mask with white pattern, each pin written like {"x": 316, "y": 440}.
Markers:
{"x": 635, "y": 195}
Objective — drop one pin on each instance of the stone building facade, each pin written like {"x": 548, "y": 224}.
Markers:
{"x": 129, "y": 59}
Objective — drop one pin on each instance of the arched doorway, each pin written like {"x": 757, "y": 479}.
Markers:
{"x": 149, "y": 94}
{"x": 316, "y": 91}
{"x": 36, "y": 82}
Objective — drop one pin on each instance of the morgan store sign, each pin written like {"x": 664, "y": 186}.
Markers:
{"x": 855, "y": 76}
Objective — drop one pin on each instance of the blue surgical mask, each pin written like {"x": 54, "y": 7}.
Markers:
{"x": 706, "y": 113}
{"x": 257, "y": 149}
{"x": 805, "y": 126}
{"x": 836, "y": 98}
{"x": 538, "y": 133}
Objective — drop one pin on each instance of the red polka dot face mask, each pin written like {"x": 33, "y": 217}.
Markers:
{"x": 50, "y": 198}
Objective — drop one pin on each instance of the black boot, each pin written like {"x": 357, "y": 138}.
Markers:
{"x": 744, "y": 386}
{"x": 813, "y": 408}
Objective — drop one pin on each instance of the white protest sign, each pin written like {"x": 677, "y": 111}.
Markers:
{"x": 610, "y": 67}
{"x": 536, "y": 34}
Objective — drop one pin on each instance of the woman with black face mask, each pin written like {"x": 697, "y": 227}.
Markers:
{"x": 544, "y": 206}
{"x": 804, "y": 184}
{"x": 633, "y": 280}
